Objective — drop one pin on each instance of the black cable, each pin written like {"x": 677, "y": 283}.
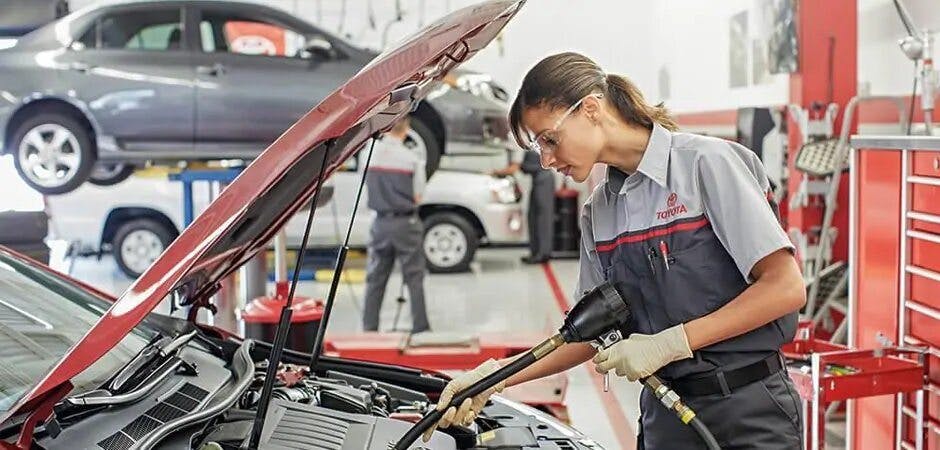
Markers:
{"x": 703, "y": 432}
{"x": 905, "y": 18}
{"x": 910, "y": 114}
{"x": 337, "y": 270}
{"x": 283, "y": 325}
{"x": 400, "y": 301}
{"x": 426, "y": 422}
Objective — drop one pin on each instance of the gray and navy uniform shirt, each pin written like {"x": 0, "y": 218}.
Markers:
{"x": 706, "y": 202}
{"x": 396, "y": 175}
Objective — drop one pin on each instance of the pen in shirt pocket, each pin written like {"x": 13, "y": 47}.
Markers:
{"x": 664, "y": 252}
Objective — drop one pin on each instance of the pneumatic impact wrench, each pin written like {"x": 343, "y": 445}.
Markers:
{"x": 597, "y": 318}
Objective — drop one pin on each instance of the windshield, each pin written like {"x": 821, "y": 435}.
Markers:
{"x": 41, "y": 316}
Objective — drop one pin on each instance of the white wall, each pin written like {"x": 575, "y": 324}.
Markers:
{"x": 630, "y": 37}
{"x": 694, "y": 37}
{"x": 882, "y": 67}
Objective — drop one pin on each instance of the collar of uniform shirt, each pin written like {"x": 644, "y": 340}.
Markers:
{"x": 654, "y": 164}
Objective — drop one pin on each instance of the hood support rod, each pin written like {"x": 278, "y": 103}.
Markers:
{"x": 338, "y": 268}
{"x": 283, "y": 325}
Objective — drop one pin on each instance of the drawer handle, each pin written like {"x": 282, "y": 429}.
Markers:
{"x": 936, "y": 163}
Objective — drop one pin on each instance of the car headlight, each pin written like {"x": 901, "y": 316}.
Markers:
{"x": 505, "y": 190}
{"x": 479, "y": 84}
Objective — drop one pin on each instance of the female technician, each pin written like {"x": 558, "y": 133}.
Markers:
{"x": 685, "y": 225}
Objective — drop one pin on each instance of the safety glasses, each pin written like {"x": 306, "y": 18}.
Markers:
{"x": 547, "y": 140}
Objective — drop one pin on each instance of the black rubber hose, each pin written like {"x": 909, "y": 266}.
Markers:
{"x": 703, "y": 432}
{"x": 493, "y": 379}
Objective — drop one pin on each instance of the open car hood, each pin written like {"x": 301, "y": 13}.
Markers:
{"x": 250, "y": 211}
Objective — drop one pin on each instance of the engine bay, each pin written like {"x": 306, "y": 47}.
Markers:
{"x": 346, "y": 405}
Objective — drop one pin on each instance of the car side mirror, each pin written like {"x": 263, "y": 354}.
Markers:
{"x": 319, "y": 48}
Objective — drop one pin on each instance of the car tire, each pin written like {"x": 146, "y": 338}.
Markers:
{"x": 138, "y": 243}
{"x": 450, "y": 242}
{"x": 110, "y": 174}
{"x": 74, "y": 154}
{"x": 432, "y": 148}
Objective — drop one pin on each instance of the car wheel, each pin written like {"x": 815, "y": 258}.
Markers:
{"x": 138, "y": 243}
{"x": 53, "y": 153}
{"x": 450, "y": 242}
{"x": 109, "y": 174}
{"x": 421, "y": 139}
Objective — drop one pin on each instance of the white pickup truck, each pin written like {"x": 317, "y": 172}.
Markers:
{"x": 137, "y": 219}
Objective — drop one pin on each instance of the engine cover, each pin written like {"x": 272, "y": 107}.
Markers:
{"x": 291, "y": 425}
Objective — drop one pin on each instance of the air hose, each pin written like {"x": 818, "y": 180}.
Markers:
{"x": 674, "y": 403}
{"x": 517, "y": 365}
{"x": 597, "y": 318}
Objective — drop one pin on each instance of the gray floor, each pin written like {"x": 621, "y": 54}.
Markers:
{"x": 498, "y": 295}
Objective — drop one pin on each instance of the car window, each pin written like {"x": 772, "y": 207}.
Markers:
{"x": 221, "y": 32}
{"x": 41, "y": 317}
{"x": 154, "y": 30}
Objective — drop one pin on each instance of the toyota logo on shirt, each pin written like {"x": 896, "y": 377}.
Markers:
{"x": 673, "y": 208}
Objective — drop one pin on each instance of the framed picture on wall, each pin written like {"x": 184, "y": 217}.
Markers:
{"x": 737, "y": 50}
{"x": 783, "y": 51}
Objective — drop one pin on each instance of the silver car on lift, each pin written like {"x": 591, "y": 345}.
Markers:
{"x": 108, "y": 88}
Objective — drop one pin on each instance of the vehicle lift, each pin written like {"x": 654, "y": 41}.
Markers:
{"x": 187, "y": 177}
{"x": 251, "y": 278}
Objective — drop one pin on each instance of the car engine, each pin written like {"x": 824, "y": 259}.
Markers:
{"x": 345, "y": 411}
{"x": 340, "y": 410}
{"x": 346, "y": 406}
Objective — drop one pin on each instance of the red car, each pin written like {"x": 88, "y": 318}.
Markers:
{"x": 79, "y": 370}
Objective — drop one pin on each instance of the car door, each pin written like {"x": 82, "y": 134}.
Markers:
{"x": 131, "y": 69}
{"x": 256, "y": 78}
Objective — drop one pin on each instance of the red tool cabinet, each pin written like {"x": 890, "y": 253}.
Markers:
{"x": 894, "y": 286}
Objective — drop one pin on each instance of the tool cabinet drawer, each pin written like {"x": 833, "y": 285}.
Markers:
{"x": 926, "y": 254}
{"x": 926, "y": 164}
{"x": 926, "y": 291}
{"x": 925, "y": 198}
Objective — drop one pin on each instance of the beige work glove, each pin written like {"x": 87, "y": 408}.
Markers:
{"x": 470, "y": 407}
{"x": 641, "y": 355}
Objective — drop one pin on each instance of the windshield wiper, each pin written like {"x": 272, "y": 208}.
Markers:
{"x": 153, "y": 364}
{"x": 105, "y": 397}
{"x": 151, "y": 355}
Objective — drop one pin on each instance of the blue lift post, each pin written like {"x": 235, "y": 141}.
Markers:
{"x": 188, "y": 177}
{"x": 226, "y": 316}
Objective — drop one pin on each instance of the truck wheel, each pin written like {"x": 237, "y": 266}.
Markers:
{"x": 450, "y": 242}
{"x": 53, "y": 153}
{"x": 138, "y": 243}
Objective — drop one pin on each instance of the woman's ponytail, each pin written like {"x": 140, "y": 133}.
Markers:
{"x": 559, "y": 81}
{"x": 633, "y": 107}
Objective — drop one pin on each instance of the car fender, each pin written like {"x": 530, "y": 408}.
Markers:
{"x": 469, "y": 191}
{"x": 32, "y": 99}
{"x": 82, "y": 215}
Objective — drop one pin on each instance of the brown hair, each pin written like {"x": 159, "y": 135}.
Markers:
{"x": 559, "y": 81}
